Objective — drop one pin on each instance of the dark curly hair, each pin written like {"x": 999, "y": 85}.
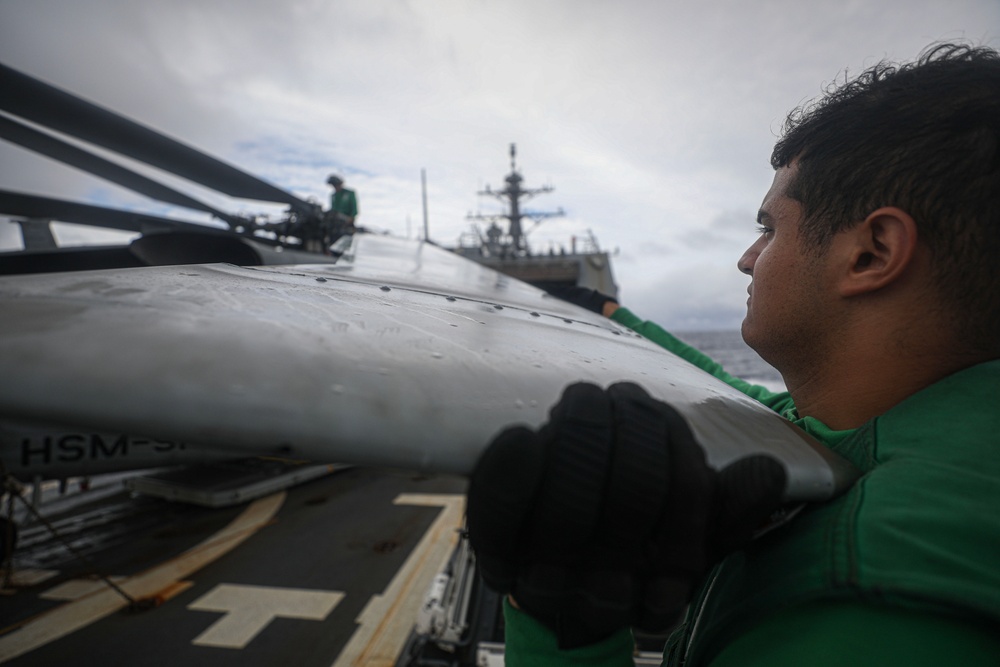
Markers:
{"x": 924, "y": 137}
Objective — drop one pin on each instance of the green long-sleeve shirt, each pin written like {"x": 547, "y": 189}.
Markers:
{"x": 842, "y": 628}
{"x": 344, "y": 202}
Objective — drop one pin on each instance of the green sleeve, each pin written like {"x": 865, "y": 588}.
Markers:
{"x": 344, "y": 202}
{"x": 828, "y": 634}
{"x": 777, "y": 401}
{"x": 528, "y": 643}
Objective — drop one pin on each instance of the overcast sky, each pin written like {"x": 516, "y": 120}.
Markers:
{"x": 653, "y": 120}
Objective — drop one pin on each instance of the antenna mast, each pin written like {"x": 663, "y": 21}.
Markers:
{"x": 512, "y": 195}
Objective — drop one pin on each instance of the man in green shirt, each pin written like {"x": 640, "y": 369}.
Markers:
{"x": 874, "y": 293}
{"x": 343, "y": 208}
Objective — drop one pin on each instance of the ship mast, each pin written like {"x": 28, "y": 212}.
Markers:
{"x": 512, "y": 196}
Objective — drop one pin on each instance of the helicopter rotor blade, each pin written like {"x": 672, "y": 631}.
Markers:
{"x": 34, "y": 206}
{"x": 59, "y": 110}
{"x": 74, "y": 156}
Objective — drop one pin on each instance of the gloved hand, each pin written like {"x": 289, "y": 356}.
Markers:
{"x": 608, "y": 516}
{"x": 582, "y": 296}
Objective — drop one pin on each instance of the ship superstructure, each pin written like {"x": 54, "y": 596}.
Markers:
{"x": 503, "y": 244}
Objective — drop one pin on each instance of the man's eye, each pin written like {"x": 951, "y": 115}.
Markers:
{"x": 764, "y": 230}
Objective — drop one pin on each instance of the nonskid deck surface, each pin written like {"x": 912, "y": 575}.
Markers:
{"x": 327, "y": 573}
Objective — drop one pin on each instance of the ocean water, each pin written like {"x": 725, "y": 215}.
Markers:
{"x": 728, "y": 348}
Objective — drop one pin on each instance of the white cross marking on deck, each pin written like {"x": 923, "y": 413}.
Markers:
{"x": 249, "y": 609}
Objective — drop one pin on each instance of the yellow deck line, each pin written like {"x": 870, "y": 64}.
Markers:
{"x": 72, "y": 616}
{"x": 387, "y": 619}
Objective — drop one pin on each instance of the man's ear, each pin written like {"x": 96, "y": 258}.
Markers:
{"x": 879, "y": 250}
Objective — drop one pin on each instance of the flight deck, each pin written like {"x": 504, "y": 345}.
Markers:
{"x": 329, "y": 572}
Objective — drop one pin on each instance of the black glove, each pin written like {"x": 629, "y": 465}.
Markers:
{"x": 608, "y": 516}
{"x": 582, "y": 296}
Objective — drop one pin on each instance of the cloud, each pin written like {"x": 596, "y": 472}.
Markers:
{"x": 653, "y": 120}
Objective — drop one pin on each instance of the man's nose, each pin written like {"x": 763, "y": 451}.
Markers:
{"x": 745, "y": 265}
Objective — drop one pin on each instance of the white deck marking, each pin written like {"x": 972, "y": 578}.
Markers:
{"x": 72, "y": 616}
{"x": 387, "y": 619}
{"x": 249, "y": 609}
